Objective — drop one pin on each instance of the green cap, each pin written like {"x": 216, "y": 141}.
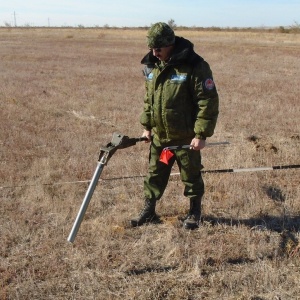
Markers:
{"x": 160, "y": 35}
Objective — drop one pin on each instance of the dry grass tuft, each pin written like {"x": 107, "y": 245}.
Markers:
{"x": 65, "y": 91}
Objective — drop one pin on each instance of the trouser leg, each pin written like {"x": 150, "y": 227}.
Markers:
{"x": 189, "y": 162}
{"x": 158, "y": 176}
{"x": 154, "y": 186}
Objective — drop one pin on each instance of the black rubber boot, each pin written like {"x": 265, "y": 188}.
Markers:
{"x": 192, "y": 220}
{"x": 147, "y": 214}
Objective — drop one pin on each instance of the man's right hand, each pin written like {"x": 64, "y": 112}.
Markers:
{"x": 147, "y": 134}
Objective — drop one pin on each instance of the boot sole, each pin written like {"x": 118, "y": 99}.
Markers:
{"x": 154, "y": 220}
{"x": 190, "y": 226}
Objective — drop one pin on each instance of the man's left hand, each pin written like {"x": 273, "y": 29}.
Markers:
{"x": 197, "y": 144}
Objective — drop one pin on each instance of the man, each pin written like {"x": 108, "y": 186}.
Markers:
{"x": 180, "y": 107}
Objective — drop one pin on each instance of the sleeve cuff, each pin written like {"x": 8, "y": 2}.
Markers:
{"x": 200, "y": 136}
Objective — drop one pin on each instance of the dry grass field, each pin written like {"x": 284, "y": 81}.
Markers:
{"x": 63, "y": 92}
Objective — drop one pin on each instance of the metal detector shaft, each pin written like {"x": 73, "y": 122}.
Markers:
{"x": 88, "y": 196}
{"x": 118, "y": 141}
{"x": 188, "y": 146}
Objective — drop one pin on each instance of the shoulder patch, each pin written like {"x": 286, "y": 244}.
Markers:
{"x": 209, "y": 84}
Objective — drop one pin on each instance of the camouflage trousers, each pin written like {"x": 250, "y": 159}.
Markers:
{"x": 189, "y": 163}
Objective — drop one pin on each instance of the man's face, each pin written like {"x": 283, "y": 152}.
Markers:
{"x": 163, "y": 53}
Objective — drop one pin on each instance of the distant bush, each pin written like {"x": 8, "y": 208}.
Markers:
{"x": 282, "y": 29}
{"x": 295, "y": 28}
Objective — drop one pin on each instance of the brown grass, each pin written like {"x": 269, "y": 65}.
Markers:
{"x": 63, "y": 92}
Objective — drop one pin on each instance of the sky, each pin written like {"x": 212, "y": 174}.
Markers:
{"x": 140, "y": 13}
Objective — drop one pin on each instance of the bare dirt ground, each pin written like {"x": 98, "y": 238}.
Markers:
{"x": 63, "y": 92}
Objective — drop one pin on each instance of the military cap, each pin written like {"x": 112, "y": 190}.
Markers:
{"x": 160, "y": 35}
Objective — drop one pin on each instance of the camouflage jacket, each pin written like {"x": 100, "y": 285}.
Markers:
{"x": 181, "y": 100}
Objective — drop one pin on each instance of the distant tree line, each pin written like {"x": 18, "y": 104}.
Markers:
{"x": 294, "y": 28}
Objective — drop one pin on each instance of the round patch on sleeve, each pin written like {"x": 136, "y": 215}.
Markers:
{"x": 209, "y": 84}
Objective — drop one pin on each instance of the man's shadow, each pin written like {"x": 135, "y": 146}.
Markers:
{"x": 273, "y": 223}
{"x": 267, "y": 222}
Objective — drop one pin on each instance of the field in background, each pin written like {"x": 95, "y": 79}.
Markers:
{"x": 63, "y": 92}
